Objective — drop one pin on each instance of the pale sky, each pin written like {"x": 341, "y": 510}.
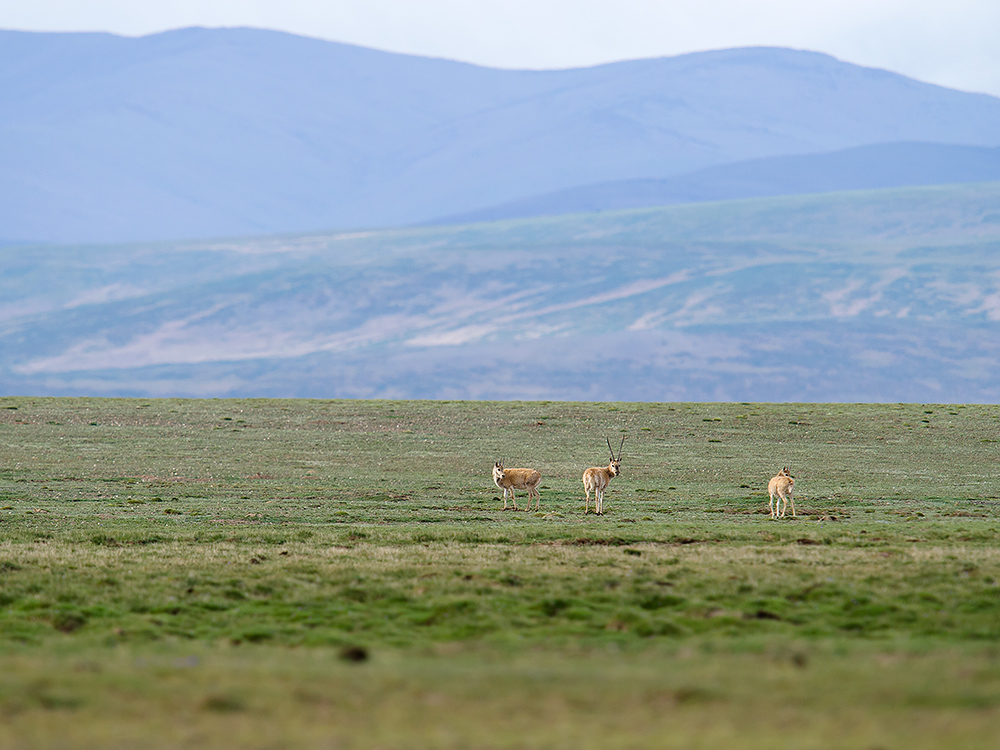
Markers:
{"x": 954, "y": 43}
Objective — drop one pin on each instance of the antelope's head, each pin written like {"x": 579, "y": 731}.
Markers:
{"x": 498, "y": 471}
{"x": 614, "y": 466}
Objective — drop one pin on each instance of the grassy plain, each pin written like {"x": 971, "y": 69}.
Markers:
{"x": 201, "y": 573}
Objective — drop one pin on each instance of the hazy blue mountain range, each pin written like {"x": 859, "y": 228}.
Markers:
{"x": 884, "y": 295}
{"x": 198, "y": 133}
{"x": 864, "y": 167}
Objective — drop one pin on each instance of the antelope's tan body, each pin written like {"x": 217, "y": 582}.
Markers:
{"x": 597, "y": 478}
{"x": 782, "y": 486}
{"x": 509, "y": 480}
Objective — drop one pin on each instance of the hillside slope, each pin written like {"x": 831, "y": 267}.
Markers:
{"x": 889, "y": 295}
{"x": 883, "y": 165}
{"x": 199, "y": 132}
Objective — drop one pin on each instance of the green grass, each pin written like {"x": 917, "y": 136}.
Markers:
{"x": 196, "y": 572}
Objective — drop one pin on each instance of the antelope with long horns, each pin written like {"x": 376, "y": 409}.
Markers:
{"x": 522, "y": 479}
{"x": 597, "y": 478}
{"x": 781, "y": 485}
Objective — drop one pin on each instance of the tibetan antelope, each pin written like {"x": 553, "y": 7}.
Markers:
{"x": 781, "y": 485}
{"x": 597, "y": 478}
{"x": 523, "y": 479}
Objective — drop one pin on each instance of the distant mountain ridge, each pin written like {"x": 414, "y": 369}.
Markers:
{"x": 222, "y": 132}
{"x": 888, "y": 165}
{"x": 882, "y": 295}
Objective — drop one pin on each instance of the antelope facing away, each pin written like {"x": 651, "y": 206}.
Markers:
{"x": 597, "y": 478}
{"x": 781, "y": 485}
{"x": 523, "y": 479}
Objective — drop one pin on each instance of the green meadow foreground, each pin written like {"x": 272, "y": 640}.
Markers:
{"x": 340, "y": 574}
